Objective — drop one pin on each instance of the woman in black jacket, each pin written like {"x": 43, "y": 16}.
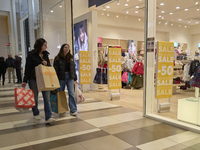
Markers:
{"x": 3, "y": 67}
{"x": 65, "y": 69}
{"x": 36, "y": 57}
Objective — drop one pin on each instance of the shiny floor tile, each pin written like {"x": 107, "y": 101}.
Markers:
{"x": 118, "y": 128}
{"x": 127, "y": 117}
{"x": 70, "y": 147}
{"x": 183, "y": 137}
{"x": 103, "y": 121}
{"x": 90, "y": 115}
{"x": 177, "y": 147}
{"x": 192, "y": 142}
{"x": 105, "y": 143}
{"x": 143, "y": 122}
{"x": 115, "y": 111}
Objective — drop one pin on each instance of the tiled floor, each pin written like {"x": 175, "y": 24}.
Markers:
{"x": 98, "y": 126}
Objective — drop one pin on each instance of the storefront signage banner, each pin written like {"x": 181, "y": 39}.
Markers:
{"x": 114, "y": 68}
{"x": 85, "y": 67}
{"x": 165, "y": 69}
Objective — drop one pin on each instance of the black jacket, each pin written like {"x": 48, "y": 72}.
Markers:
{"x": 194, "y": 64}
{"x": 32, "y": 60}
{"x": 18, "y": 62}
{"x": 3, "y": 67}
{"x": 12, "y": 61}
{"x": 59, "y": 66}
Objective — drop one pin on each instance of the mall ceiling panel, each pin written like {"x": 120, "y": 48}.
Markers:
{"x": 97, "y": 2}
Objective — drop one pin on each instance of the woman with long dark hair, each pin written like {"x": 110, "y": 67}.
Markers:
{"x": 65, "y": 69}
{"x": 38, "y": 56}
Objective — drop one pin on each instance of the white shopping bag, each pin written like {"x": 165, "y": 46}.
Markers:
{"x": 78, "y": 95}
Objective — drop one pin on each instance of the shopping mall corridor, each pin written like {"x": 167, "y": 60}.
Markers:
{"x": 98, "y": 126}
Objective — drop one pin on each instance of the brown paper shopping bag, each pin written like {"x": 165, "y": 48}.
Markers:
{"x": 59, "y": 102}
{"x": 46, "y": 78}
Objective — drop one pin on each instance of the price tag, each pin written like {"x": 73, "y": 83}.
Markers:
{"x": 85, "y": 67}
{"x": 114, "y": 67}
{"x": 165, "y": 69}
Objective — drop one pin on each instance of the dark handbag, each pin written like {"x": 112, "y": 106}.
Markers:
{"x": 54, "y": 92}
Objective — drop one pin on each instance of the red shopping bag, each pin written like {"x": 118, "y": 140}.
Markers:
{"x": 24, "y": 98}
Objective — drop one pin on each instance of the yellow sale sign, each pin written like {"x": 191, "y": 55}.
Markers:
{"x": 114, "y": 68}
{"x": 85, "y": 67}
{"x": 165, "y": 69}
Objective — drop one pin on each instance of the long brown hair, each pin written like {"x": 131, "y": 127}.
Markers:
{"x": 61, "y": 53}
{"x": 38, "y": 44}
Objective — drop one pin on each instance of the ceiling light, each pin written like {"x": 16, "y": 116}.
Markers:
{"x": 197, "y": 3}
{"x": 197, "y": 9}
{"x": 162, "y": 17}
{"x": 186, "y": 9}
{"x": 125, "y": 4}
{"x": 104, "y": 8}
{"x": 180, "y": 19}
{"x": 102, "y": 13}
{"x": 107, "y": 6}
{"x": 189, "y": 21}
{"x": 117, "y": 16}
{"x": 172, "y": 24}
{"x": 159, "y": 16}
{"x": 127, "y": 11}
{"x": 159, "y": 22}
{"x": 171, "y": 13}
{"x": 197, "y": 22}
{"x": 178, "y": 7}
{"x": 179, "y": 25}
{"x": 60, "y": 5}
{"x": 162, "y": 4}
{"x": 137, "y": 6}
{"x": 127, "y": 0}
{"x": 166, "y": 23}
{"x": 51, "y": 10}
{"x": 140, "y": 0}
{"x": 185, "y": 26}
{"x": 108, "y": 14}
{"x": 162, "y": 11}
{"x": 139, "y": 19}
{"x": 136, "y": 12}
{"x": 118, "y": 2}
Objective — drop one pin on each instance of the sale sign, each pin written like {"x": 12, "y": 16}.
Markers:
{"x": 85, "y": 67}
{"x": 114, "y": 68}
{"x": 165, "y": 69}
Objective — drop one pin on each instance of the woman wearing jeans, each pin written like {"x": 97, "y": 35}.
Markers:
{"x": 36, "y": 57}
{"x": 65, "y": 69}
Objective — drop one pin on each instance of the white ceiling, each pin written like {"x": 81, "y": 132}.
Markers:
{"x": 190, "y": 17}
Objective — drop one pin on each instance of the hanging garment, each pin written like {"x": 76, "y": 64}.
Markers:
{"x": 195, "y": 82}
{"x": 104, "y": 76}
{"x": 194, "y": 64}
{"x": 129, "y": 65}
{"x": 125, "y": 77}
{"x": 138, "y": 68}
{"x": 98, "y": 76}
{"x": 186, "y": 76}
{"x": 129, "y": 77}
{"x": 137, "y": 81}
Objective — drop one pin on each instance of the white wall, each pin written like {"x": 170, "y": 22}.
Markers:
{"x": 80, "y": 7}
{"x": 5, "y": 5}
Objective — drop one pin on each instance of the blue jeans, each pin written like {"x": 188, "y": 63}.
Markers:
{"x": 46, "y": 97}
{"x": 70, "y": 87}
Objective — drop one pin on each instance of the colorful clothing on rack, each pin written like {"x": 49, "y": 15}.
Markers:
{"x": 195, "y": 82}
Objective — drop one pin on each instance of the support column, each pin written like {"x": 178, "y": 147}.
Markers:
{"x": 150, "y": 31}
{"x": 69, "y": 24}
{"x": 31, "y": 15}
{"x": 14, "y": 49}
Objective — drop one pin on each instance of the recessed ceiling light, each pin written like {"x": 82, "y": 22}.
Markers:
{"x": 162, "y": 17}
{"x": 177, "y": 7}
{"x": 117, "y": 16}
{"x": 102, "y": 13}
{"x": 171, "y": 13}
{"x": 136, "y": 12}
{"x": 185, "y": 26}
{"x": 162, "y": 4}
{"x": 197, "y": 22}
{"x": 117, "y": 3}
{"x": 166, "y": 23}
{"x": 137, "y": 6}
{"x": 125, "y": 4}
{"x": 60, "y": 5}
{"x": 197, "y": 3}
{"x": 159, "y": 16}
{"x": 51, "y": 10}
{"x": 162, "y": 11}
{"x": 197, "y": 9}
{"x": 172, "y": 24}
{"x": 180, "y": 19}
{"x": 139, "y": 19}
{"x": 189, "y": 21}
{"x": 186, "y": 9}
{"x": 159, "y": 22}
{"x": 127, "y": 0}
{"x": 140, "y": 0}
{"x": 127, "y": 11}
{"x": 108, "y": 14}
{"x": 107, "y": 6}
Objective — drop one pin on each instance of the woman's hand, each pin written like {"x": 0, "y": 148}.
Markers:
{"x": 44, "y": 62}
{"x": 23, "y": 84}
{"x": 75, "y": 82}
